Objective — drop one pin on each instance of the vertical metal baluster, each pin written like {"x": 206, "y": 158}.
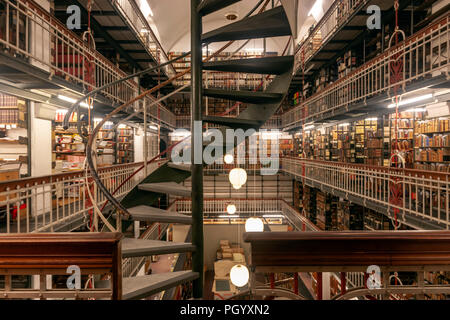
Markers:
{"x": 8, "y": 211}
{"x": 438, "y": 190}
{"x": 423, "y": 196}
{"x": 27, "y": 194}
{"x": 18, "y": 214}
{"x": 410, "y": 193}
{"x": 446, "y": 200}
{"x": 56, "y": 202}
{"x": 431, "y": 197}
{"x": 36, "y": 218}
{"x": 63, "y": 197}
{"x": 43, "y": 204}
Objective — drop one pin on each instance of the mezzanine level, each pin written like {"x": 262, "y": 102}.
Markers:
{"x": 368, "y": 90}
{"x": 42, "y": 59}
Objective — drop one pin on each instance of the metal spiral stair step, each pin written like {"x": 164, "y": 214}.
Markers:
{"x": 210, "y": 6}
{"x": 141, "y": 247}
{"x": 171, "y": 188}
{"x": 271, "y": 23}
{"x": 232, "y": 122}
{"x": 267, "y": 65}
{"x": 180, "y": 166}
{"x": 152, "y": 214}
{"x": 143, "y": 286}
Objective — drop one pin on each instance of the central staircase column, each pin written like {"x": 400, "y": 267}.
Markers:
{"x": 196, "y": 148}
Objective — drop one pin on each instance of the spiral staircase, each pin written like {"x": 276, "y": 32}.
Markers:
{"x": 261, "y": 105}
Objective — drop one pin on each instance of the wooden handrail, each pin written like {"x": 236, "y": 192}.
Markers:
{"x": 52, "y": 253}
{"x": 311, "y": 251}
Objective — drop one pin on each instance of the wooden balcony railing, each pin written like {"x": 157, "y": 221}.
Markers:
{"x": 349, "y": 250}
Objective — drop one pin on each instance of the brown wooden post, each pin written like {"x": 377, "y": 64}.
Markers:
{"x": 319, "y": 285}
{"x": 117, "y": 272}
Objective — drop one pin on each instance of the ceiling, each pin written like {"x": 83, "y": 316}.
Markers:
{"x": 171, "y": 20}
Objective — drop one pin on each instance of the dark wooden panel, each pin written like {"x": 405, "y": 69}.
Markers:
{"x": 52, "y": 253}
{"x": 58, "y": 250}
{"x": 384, "y": 248}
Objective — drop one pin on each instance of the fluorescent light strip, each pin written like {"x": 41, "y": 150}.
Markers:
{"x": 229, "y": 216}
{"x": 412, "y": 100}
{"x": 71, "y": 100}
{"x": 145, "y": 8}
{"x": 416, "y": 110}
{"x": 273, "y": 216}
{"x": 316, "y": 10}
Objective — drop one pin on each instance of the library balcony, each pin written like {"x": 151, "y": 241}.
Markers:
{"x": 407, "y": 196}
{"x": 368, "y": 90}
{"x": 58, "y": 66}
{"x": 120, "y": 27}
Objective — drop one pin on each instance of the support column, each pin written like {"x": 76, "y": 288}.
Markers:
{"x": 145, "y": 146}
{"x": 343, "y": 283}
{"x": 196, "y": 148}
{"x": 319, "y": 286}
{"x": 296, "y": 282}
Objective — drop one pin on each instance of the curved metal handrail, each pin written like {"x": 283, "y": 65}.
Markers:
{"x": 268, "y": 291}
{"x": 358, "y": 292}
{"x": 131, "y": 76}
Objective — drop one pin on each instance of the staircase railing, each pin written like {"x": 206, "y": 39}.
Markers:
{"x": 373, "y": 77}
{"x": 121, "y": 209}
{"x": 144, "y": 31}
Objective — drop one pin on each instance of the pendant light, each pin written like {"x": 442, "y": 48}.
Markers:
{"x": 254, "y": 225}
{"x": 239, "y": 275}
{"x": 228, "y": 159}
{"x": 231, "y": 209}
{"x": 238, "y": 177}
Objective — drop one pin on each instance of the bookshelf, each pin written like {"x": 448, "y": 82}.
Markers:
{"x": 68, "y": 147}
{"x": 221, "y": 79}
{"x": 432, "y": 144}
{"x": 14, "y": 135}
{"x": 106, "y": 145}
{"x": 405, "y": 136}
{"x": 125, "y": 144}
